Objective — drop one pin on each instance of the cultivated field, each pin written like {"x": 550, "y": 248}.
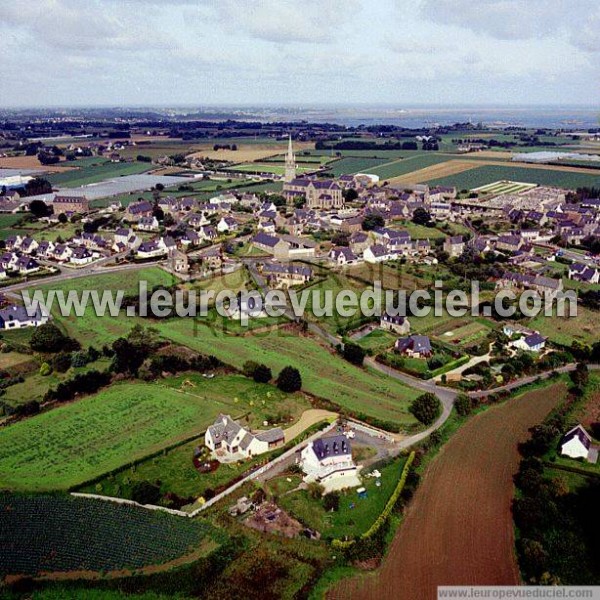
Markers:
{"x": 566, "y": 177}
{"x": 30, "y": 162}
{"x": 444, "y": 169}
{"x": 246, "y": 152}
{"x": 461, "y": 511}
{"x": 58, "y": 534}
{"x": 96, "y": 172}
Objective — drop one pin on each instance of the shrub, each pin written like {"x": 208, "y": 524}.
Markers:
{"x": 353, "y": 353}
{"x": 257, "y": 371}
{"x": 45, "y": 369}
{"x": 49, "y": 338}
{"x": 145, "y": 492}
{"x": 463, "y": 405}
{"x": 331, "y": 501}
{"x": 61, "y": 362}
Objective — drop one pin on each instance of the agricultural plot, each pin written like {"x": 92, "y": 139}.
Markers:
{"x": 485, "y": 175}
{"x": 247, "y": 150}
{"x": 353, "y": 164}
{"x": 276, "y": 169}
{"x": 324, "y": 373}
{"x": 75, "y": 442}
{"x": 461, "y": 510}
{"x": 49, "y": 534}
{"x": 96, "y": 172}
{"x": 565, "y": 330}
{"x": 443, "y": 167}
{"x": 464, "y": 334}
{"x": 504, "y": 187}
{"x": 404, "y": 166}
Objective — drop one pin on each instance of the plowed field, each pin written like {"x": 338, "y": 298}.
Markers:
{"x": 459, "y": 528}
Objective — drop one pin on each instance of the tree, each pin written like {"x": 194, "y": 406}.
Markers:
{"x": 289, "y": 379}
{"x": 62, "y": 218}
{"x": 61, "y": 362}
{"x": 350, "y": 195}
{"x": 426, "y": 408}
{"x": 49, "y": 338}
{"x": 37, "y": 186}
{"x": 371, "y": 222}
{"x": 353, "y": 353}
{"x": 421, "y": 216}
{"x": 39, "y": 208}
{"x": 463, "y": 405}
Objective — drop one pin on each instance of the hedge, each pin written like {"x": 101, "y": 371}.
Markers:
{"x": 383, "y": 517}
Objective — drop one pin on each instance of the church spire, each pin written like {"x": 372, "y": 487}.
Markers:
{"x": 290, "y": 162}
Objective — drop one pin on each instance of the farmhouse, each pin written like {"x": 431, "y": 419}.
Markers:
{"x": 230, "y": 441}
{"x": 329, "y": 462}
{"x": 577, "y": 443}
{"x": 415, "y": 346}
{"x": 397, "y": 324}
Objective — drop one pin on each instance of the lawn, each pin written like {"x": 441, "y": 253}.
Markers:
{"x": 70, "y": 444}
{"x": 355, "y": 514}
{"x": 95, "y": 172}
{"x": 566, "y": 330}
{"x": 378, "y": 341}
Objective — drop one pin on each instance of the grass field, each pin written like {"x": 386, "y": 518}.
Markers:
{"x": 378, "y": 341}
{"x": 276, "y": 169}
{"x": 485, "y": 175}
{"x": 95, "y": 172}
{"x": 353, "y": 164}
{"x": 61, "y": 534}
{"x": 565, "y": 330}
{"x": 75, "y": 442}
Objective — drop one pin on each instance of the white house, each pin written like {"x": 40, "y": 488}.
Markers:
{"x": 577, "y": 443}
{"x": 342, "y": 256}
{"x": 229, "y": 441}
{"x": 533, "y": 342}
{"x": 398, "y": 324}
{"x": 328, "y": 461}
{"x": 81, "y": 256}
{"x": 377, "y": 253}
{"x": 227, "y": 224}
{"x": 16, "y": 317}
{"x": 152, "y": 249}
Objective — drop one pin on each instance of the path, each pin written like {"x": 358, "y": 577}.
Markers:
{"x": 309, "y": 417}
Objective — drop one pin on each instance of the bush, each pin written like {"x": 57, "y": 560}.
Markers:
{"x": 289, "y": 380}
{"x": 45, "y": 369}
{"x": 257, "y": 371}
{"x": 49, "y": 338}
{"x": 145, "y": 492}
{"x": 61, "y": 362}
{"x": 426, "y": 408}
{"x": 331, "y": 501}
{"x": 353, "y": 353}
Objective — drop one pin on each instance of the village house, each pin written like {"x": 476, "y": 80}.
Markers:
{"x": 207, "y": 233}
{"x": 286, "y": 275}
{"x": 454, "y": 245}
{"x": 16, "y": 316}
{"x": 509, "y": 243}
{"x": 534, "y": 342}
{"x": 577, "y": 443}
{"x": 26, "y": 265}
{"x": 81, "y": 256}
{"x": 342, "y": 256}
{"x": 197, "y": 220}
{"x": 152, "y": 249}
{"x": 583, "y": 273}
{"x": 359, "y": 241}
{"x": 149, "y": 223}
{"x": 138, "y": 210}
{"x": 377, "y": 253}
{"x": 227, "y": 225}
{"x": 397, "y": 324}
{"x": 544, "y": 285}
{"x": 70, "y": 204}
{"x": 328, "y": 461}
{"x": 62, "y": 252}
{"x": 229, "y": 441}
{"x": 415, "y": 346}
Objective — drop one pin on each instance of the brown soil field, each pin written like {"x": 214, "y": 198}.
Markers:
{"x": 591, "y": 412}
{"x": 30, "y": 162}
{"x": 458, "y": 529}
{"x": 450, "y": 167}
{"x": 249, "y": 152}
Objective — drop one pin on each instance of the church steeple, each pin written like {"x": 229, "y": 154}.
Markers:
{"x": 290, "y": 163}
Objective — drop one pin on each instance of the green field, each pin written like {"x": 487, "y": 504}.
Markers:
{"x": 353, "y": 164}
{"x": 62, "y": 533}
{"x": 485, "y": 175}
{"x": 276, "y": 169}
{"x": 67, "y": 445}
{"x": 408, "y": 165}
{"x": 97, "y": 171}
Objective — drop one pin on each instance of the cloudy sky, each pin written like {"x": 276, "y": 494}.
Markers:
{"x": 301, "y": 52}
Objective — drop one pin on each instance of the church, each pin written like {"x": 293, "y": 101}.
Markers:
{"x": 317, "y": 193}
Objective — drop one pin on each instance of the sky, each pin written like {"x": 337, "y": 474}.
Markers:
{"x": 299, "y": 53}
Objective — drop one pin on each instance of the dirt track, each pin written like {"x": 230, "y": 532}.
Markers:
{"x": 459, "y": 530}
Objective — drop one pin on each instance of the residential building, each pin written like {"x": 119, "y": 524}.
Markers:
{"x": 454, "y": 245}
{"x": 397, "y": 324}
{"x": 415, "y": 346}
{"x": 577, "y": 443}
{"x": 70, "y": 204}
